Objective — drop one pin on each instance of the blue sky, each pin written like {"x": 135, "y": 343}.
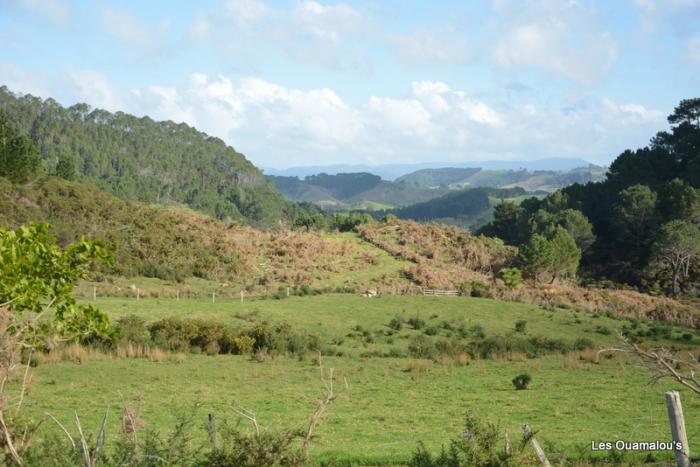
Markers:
{"x": 310, "y": 82}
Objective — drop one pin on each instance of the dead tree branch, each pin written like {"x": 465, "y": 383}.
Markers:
{"x": 662, "y": 363}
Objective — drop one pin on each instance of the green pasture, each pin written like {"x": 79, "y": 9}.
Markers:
{"x": 388, "y": 405}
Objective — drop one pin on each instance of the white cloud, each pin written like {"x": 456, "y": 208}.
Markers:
{"x": 431, "y": 46}
{"x": 692, "y": 51}
{"x": 24, "y": 81}
{"x": 327, "y": 22}
{"x": 633, "y": 113}
{"x": 309, "y": 32}
{"x": 132, "y": 31}
{"x": 54, "y": 11}
{"x": 275, "y": 125}
{"x": 95, "y": 89}
{"x": 559, "y": 37}
{"x": 247, "y": 11}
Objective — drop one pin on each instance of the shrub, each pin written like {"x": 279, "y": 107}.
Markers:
{"x": 238, "y": 449}
{"x": 479, "y": 289}
{"x": 396, "y": 323}
{"x": 422, "y": 347}
{"x": 522, "y": 381}
{"x": 131, "y": 329}
{"x": 511, "y": 277}
{"x": 477, "y": 331}
{"x": 687, "y": 336}
{"x": 604, "y": 330}
{"x": 243, "y": 345}
{"x": 583, "y": 343}
{"x": 479, "y": 445}
{"x": 416, "y": 322}
{"x": 520, "y": 325}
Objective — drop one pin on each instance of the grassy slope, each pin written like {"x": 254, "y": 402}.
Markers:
{"x": 147, "y": 238}
{"x": 387, "y": 409}
{"x": 331, "y": 316}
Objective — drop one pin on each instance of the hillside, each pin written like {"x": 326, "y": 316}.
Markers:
{"x": 647, "y": 206}
{"x": 351, "y": 190}
{"x": 537, "y": 180}
{"x": 429, "y": 193}
{"x": 144, "y": 160}
{"x": 175, "y": 243}
{"x": 467, "y": 207}
{"x": 393, "y": 171}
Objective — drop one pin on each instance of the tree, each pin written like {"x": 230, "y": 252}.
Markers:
{"x": 19, "y": 159}
{"x": 37, "y": 276}
{"x": 677, "y": 248}
{"x": 565, "y": 254}
{"x": 506, "y": 224}
{"x": 557, "y": 256}
{"x": 681, "y": 201}
{"x": 688, "y": 111}
{"x": 635, "y": 217}
{"x": 578, "y": 226}
{"x": 66, "y": 168}
{"x": 537, "y": 256}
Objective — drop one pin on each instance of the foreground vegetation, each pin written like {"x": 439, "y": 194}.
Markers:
{"x": 387, "y": 409}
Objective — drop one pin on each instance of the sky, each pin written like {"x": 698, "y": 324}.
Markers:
{"x": 307, "y": 82}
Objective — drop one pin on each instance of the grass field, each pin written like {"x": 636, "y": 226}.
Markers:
{"x": 388, "y": 406}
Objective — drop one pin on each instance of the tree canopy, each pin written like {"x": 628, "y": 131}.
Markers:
{"x": 624, "y": 222}
{"x": 139, "y": 159}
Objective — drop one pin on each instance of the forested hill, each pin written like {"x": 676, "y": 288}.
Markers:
{"x": 141, "y": 159}
{"x": 360, "y": 189}
{"x": 641, "y": 226}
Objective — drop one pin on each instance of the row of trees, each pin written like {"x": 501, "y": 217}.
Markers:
{"x": 639, "y": 226}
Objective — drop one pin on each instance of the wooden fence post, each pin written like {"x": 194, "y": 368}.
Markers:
{"x": 213, "y": 297}
{"x": 287, "y": 291}
{"x": 675, "y": 417}
{"x": 177, "y": 295}
{"x": 212, "y": 429}
{"x": 538, "y": 449}
{"x": 94, "y": 293}
{"x": 241, "y": 296}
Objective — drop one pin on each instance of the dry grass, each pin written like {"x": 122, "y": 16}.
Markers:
{"x": 416, "y": 368}
{"x": 81, "y": 354}
{"x": 443, "y": 256}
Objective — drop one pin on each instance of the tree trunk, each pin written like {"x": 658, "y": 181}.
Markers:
{"x": 674, "y": 281}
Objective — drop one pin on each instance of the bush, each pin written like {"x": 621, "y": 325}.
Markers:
{"x": 583, "y": 343}
{"x": 687, "y": 336}
{"x": 238, "y": 449}
{"x": 416, "y": 322}
{"x": 243, "y": 345}
{"x": 520, "y": 325}
{"x": 474, "y": 289}
{"x": 422, "y": 347}
{"x": 131, "y": 329}
{"x": 480, "y": 445}
{"x": 210, "y": 337}
{"x": 604, "y": 330}
{"x": 511, "y": 277}
{"x": 522, "y": 381}
{"x": 396, "y": 323}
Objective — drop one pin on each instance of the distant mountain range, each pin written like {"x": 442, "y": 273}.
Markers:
{"x": 394, "y": 171}
{"x": 363, "y": 190}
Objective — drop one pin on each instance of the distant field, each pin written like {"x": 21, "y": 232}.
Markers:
{"x": 388, "y": 408}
